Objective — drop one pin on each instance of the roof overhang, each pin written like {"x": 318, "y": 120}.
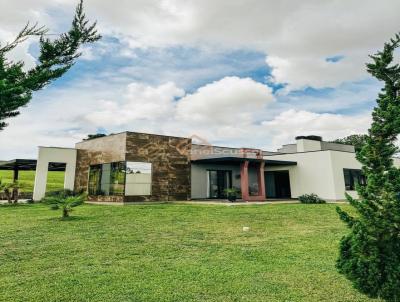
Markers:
{"x": 28, "y": 165}
{"x": 228, "y": 160}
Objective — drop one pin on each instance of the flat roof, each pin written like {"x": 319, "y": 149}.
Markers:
{"x": 28, "y": 165}
{"x": 234, "y": 160}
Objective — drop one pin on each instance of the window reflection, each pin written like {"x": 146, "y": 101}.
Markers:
{"x": 138, "y": 178}
{"x": 107, "y": 179}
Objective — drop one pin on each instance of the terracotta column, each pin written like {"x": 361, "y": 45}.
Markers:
{"x": 244, "y": 179}
{"x": 261, "y": 182}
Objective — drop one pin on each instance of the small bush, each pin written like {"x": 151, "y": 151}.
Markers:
{"x": 231, "y": 194}
{"x": 311, "y": 198}
{"x": 65, "y": 200}
{"x": 61, "y": 193}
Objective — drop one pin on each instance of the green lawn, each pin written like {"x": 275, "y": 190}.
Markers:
{"x": 170, "y": 252}
{"x": 55, "y": 179}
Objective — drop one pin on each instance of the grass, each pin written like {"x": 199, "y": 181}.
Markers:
{"x": 55, "y": 179}
{"x": 174, "y": 253}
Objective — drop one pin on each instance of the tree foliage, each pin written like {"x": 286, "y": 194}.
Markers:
{"x": 370, "y": 253}
{"x": 93, "y": 136}
{"x": 56, "y": 57}
{"x": 356, "y": 140}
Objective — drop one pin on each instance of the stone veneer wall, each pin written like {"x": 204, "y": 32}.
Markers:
{"x": 98, "y": 151}
{"x": 170, "y": 158}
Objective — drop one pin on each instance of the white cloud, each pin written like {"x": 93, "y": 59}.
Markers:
{"x": 291, "y": 123}
{"x": 227, "y": 101}
{"x": 14, "y": 16}
{"x": 297, "y": 36}
{"x": 20, "y": 53}
{"x": 302, "y": 72}
{"x": 140, "y": 102}
{"x": 226, "y": 112}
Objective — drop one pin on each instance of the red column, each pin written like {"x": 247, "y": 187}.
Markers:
{"x": 244, "y": 182}
{"x": 244, "y": 179}
{"x": 261, "y": 182}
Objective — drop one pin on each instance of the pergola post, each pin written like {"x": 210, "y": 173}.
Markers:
{"x": 244, "y": 179}
{"x": 16, "y": 173}
{"x": 15, "y": 192}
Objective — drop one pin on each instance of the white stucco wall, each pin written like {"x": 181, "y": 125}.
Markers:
{"x": 319, "y": 172}
{"x": 312, "y": 174}
{"x": 340, "y": 161}
{"x": 58, "y": 155}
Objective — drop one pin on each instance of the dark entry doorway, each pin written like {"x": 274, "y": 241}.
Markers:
{"x": 219, "y": 181}
{"x": 277, "y": 184}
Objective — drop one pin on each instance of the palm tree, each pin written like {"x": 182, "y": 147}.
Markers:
{"x": 65, "y": 200}
{"x": 10, "y": 190}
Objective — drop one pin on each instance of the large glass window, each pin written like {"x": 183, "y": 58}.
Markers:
{"x": 353, "y": 177}
{"x": 117, "y": 178}
{"x": 138, "y": 178}
{"x": 94, "y": 187}
{"x": 107, "y": 179}
{"x": 218, "y": 182}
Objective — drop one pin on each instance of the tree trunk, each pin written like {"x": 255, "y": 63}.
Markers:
{"x": 15, "y": 195}
{"x": 8, "y": 195}
{"x": 65, "y": 213}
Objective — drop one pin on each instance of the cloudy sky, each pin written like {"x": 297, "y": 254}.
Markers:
{"x": 252, "y": 73}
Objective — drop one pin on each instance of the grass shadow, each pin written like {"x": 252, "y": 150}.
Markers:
{"x": 69, "y": 219}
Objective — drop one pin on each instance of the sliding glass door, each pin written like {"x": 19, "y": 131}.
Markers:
{"x": 218, "y": 182}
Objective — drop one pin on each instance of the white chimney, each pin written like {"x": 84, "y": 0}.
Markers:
{"x": 309, "y": 143}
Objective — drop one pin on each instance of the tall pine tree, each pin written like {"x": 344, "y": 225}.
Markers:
{"x": 56, "y": 57}
{"x": 370, "y": 253}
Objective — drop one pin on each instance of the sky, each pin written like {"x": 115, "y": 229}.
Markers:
{"x": 242, "y": 73}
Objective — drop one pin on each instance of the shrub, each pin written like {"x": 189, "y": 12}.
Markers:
{"x": 61, "y": 193}
{"x": 10, "y": 191}
{"x": 231, "y": 194}
{"x": 311, "y": 198}
{"x": 65, "y": 200}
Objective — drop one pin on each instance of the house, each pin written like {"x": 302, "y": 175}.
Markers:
{"x": 130, "y": 167}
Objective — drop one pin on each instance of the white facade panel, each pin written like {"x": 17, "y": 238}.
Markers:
{"x": 56, "y": 155}
{"x": 312, "y": 174}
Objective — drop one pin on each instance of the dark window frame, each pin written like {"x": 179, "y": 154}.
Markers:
{"x": 352, "y": 178}
{"x": 229, "y": 186}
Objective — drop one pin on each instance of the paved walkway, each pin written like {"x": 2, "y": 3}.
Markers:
{"x": 199, "y": 202}
{"x": 19, "y": 201}
{"x": 237, "y": 203}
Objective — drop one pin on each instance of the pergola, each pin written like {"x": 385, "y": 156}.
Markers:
{"x": 17, "y": 165}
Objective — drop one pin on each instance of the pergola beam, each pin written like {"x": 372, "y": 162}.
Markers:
{"x": 17, "y": 165}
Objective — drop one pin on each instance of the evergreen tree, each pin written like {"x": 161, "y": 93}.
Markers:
{"x": 370, "y": 253}
{"x": 56, "y": 57}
